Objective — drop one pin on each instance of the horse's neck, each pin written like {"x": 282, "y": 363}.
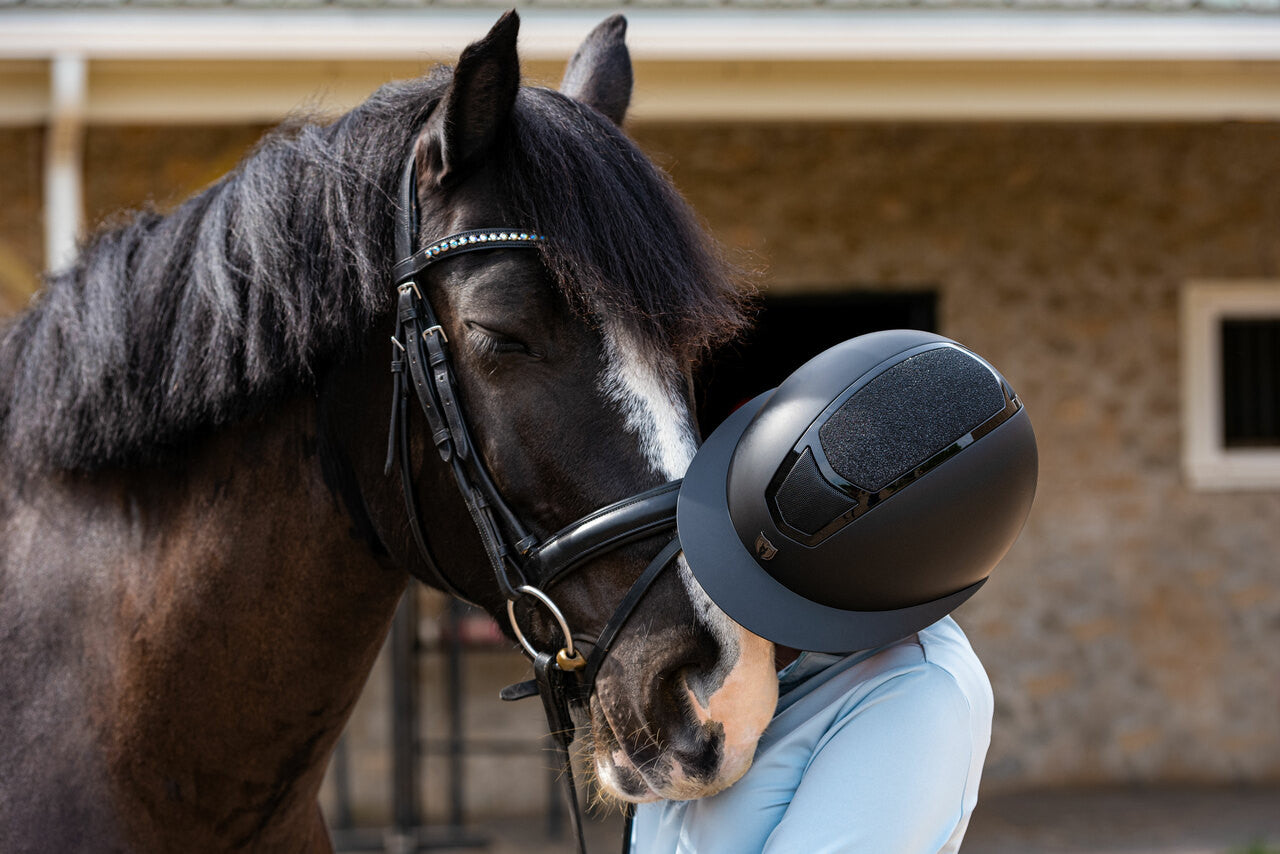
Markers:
{"x": 245, "y": 618}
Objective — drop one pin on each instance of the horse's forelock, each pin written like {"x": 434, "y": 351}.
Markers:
{"x": 623, "y": 241}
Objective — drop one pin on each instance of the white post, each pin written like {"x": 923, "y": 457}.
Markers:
{"x": 63, "y": 159}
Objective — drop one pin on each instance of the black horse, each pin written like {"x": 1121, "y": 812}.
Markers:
{"x": 201, "y": 553}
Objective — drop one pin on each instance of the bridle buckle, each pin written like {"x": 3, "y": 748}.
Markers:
{"x": 570, "y": 661}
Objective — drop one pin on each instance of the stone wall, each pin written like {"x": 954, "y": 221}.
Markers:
{"x": 1133, "y": 634}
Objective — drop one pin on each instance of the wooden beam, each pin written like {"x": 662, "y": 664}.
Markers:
{"x": 24, "y": 92}
{"x": 64, "y": 159}
{"x": 723, "y": 33}
{"x": 957, "y": 91}
{"x": 159, "y": 92}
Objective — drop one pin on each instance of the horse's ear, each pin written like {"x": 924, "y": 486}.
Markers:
{"x": 600, "y": 72}
{"x": 479, "y": 102}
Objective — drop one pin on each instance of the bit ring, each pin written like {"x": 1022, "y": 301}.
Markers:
{"x": 526, "y": 590}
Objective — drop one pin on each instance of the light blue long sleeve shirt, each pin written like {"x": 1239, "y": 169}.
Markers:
{"x": 878, "y": 752}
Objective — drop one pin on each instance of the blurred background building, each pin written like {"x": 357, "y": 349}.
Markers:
{"x": 1087, "y": 192}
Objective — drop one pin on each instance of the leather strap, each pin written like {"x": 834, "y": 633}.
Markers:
{"x": 400, "y": 441}
{"x": 628, "y": 825}
{"x": 551, "y": 682}
{"x": 585, "y": 679}
{"x": 442, "y": 384}
{"x": 606, "y": 529}
{"x": 397, "y": 402}
{"x": 423, "y": 342}
{"x": 465, "y": 241}
{"x": 407, "y": 211}
{"x": 421, "y": 373}
{"x": 621, "y": 614}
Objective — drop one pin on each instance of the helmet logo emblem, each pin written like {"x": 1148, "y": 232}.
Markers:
{"x": 765, "y": 550}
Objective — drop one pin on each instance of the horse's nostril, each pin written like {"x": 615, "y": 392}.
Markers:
{"x": 681, "y": 692}
{"x": 697, "y": 684}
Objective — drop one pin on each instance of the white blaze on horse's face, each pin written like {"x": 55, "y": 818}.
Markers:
{"x": 645, "y": 390}
{"x": 646, "y": 387}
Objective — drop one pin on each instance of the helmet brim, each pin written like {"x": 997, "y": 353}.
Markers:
{"x": 734, "y": 579}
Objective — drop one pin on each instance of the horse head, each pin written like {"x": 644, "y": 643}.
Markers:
{"x": 200, "y": 548}
{"x": 574, "y": 366}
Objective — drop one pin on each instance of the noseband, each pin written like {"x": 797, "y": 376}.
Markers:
{"x": 522, "y": 566}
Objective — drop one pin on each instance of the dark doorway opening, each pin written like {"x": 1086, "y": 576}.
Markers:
{"x": 790, "y": 330}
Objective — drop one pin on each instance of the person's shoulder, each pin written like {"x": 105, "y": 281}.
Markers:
{"x": 949, "y": 656}
{"x": 912, "y": 692}
{"x": 936, "y": 663}
{"x": 928, "y": 683}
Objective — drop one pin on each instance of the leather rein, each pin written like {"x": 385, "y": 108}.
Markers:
{"x": 523, "y": 566}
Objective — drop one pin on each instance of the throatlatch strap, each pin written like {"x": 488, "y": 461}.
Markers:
{"x": 397, "y": 403}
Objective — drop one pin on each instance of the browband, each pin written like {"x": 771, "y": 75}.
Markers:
{"x": 464, "y": 241}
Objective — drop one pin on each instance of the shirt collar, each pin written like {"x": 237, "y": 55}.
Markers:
{"x": 806, "y": 665}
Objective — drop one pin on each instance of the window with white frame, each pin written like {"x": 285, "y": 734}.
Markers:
{"x": 1231, "y": 384}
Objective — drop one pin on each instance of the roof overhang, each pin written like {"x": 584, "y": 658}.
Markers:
{"x": 724, "y": 34}
{"x": 215, "y": 65}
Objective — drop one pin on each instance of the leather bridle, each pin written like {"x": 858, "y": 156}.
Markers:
{"x": 522, "y": 566}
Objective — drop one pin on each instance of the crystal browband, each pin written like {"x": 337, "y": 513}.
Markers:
{"x": 466, "y": 241}
{"x": 467, "y": 238}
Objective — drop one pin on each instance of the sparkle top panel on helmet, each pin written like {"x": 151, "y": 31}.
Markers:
{"x": 903, "y": 416}
{"x": 882, "y": 432}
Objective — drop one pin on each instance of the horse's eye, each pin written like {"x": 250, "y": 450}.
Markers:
{"x": 492, "y": 342}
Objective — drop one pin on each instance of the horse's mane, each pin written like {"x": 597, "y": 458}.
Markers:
{"x": 165, "y": 325}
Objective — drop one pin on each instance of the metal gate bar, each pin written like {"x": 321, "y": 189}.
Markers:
{"x": 407, "y": 833}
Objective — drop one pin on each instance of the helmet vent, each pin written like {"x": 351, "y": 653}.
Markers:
{"x": 904, "y": 416}
{"x": 805, "y": 501}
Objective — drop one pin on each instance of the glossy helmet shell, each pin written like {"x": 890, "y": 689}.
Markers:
{"x": 864, "y": 498}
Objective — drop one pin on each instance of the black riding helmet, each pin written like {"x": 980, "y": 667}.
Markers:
{"x": 864, "y": 498}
